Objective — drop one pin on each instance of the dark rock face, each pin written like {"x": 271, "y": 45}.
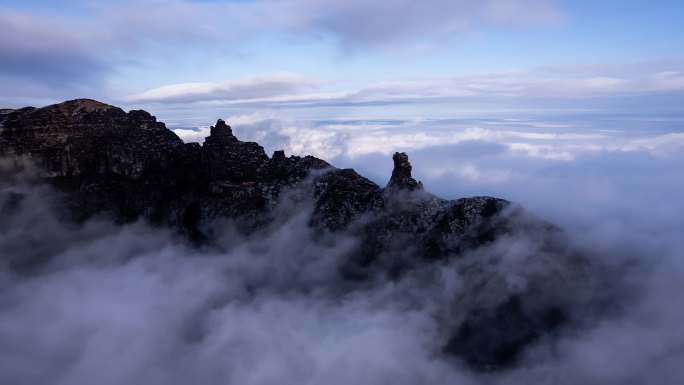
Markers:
{"x": 342, "y": 196}
{"x": 227, "y": 158}
{"x": 130, "y": 166}
{"x": 85, "y": 137}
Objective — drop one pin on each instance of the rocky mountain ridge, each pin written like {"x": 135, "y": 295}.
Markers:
{"x": 129, "y": 166}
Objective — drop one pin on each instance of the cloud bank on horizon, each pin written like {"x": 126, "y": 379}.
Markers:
{"x": 291, "y": 90}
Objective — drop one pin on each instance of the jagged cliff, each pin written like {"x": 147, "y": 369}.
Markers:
{"x": 129, "y": 166}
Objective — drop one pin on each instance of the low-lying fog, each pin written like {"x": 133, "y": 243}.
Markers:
{"x": 136, "y": 305}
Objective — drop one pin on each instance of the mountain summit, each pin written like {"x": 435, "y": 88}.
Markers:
{"x": 129, "y": 166}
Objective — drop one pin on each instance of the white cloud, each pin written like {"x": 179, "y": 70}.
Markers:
{"x": 667, "y": 80}
{"x": 658, "y": 145}
{"x": 246, "y": 89}
{"x": 292, "y": 90}
{"x": 533, "y": 139}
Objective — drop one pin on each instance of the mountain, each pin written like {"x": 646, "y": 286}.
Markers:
{"x": 128, "y": 166}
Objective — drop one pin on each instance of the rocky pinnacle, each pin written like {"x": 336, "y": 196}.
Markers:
{"x": 401, "y": 179}
{"x": 220, "y": 134}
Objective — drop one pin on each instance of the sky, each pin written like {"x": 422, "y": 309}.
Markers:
{"x": 435, "y": 56}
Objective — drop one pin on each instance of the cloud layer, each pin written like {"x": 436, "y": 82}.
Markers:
{"x": 244, "y": 90}
{"x": 507, "y": 87}
{"x": 133, "y": 304}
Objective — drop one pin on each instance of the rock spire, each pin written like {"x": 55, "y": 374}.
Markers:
{"x": 401, "y": 179}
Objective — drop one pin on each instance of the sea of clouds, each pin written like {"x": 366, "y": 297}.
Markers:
{"x": 131, "y": 304}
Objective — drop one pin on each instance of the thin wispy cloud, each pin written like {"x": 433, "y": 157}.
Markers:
{"x": 274, "y": 90}
{"x": 246, "y": 89}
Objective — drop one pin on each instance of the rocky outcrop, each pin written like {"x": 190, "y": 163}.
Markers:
{"x": 130, "y": 166}
{"x": 85, "y": 137}
{"x": 401, "y": 179}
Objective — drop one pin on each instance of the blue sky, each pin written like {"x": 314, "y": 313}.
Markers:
{"x": 492, "y": 54}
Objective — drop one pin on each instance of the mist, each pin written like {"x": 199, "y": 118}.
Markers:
{"x": 114, "y": 304}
